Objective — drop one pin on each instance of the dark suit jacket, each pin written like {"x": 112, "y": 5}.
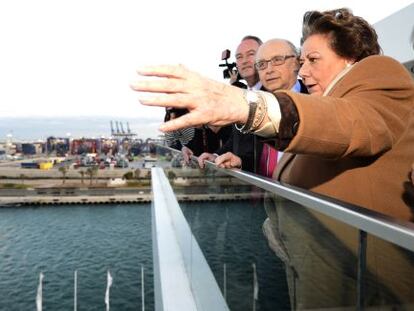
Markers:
{"x": 205, "y": 140}
{"x": 247, "y": 146}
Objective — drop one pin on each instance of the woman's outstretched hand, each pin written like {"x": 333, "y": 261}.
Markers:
{"x": 208, "y": 101}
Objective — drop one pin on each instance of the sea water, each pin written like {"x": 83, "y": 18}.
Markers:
{"x": 92, "y": 239}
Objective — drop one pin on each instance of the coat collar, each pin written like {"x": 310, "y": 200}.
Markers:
{"x": 337, "y": 79}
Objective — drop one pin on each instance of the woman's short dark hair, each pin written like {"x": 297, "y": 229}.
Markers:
{"x": 350, "y": 36}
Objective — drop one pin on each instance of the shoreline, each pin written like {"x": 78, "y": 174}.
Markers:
{"x": 14, "y": 201}
{"x": 28, "y": 187}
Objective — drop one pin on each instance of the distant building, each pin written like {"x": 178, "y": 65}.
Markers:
{"x": 85, "y": 145}
{"x": 32, "y": 148}
{"x": 57, "y": 145}
{"x": 109, "y": 146}
{"x": 28, "y": 149}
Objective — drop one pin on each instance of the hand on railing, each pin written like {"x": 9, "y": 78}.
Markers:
{"x": 206, "y": 157}
{"x": 228, "y": 160}
{"x": 187, "y": 153}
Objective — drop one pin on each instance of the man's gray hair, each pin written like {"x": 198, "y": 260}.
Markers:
{"x": 294, "y": 49}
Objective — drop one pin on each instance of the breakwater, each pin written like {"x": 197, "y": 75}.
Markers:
{"x": 56, "y": 196}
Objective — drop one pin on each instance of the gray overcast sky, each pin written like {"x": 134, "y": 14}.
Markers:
{"x": 77, "y": 57}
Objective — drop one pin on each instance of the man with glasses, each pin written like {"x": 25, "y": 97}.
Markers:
{"x": 278, "y": 66}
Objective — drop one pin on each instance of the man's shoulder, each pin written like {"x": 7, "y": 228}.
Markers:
{"x": 239, "y": 84}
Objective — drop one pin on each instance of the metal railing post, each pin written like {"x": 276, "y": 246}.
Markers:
{"x": 362, "y": 266}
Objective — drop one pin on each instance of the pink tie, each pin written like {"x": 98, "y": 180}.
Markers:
{"x": 268, "y": 161}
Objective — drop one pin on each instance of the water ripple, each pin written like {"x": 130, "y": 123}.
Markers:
{"x": 57, "y": 241}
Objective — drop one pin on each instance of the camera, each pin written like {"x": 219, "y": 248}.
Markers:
{"x": 225, "y": 55}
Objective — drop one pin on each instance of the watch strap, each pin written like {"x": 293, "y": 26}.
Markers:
{"x": 246, "y": 128}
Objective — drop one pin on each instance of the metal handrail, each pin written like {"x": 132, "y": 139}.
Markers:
{"x": 396, "y": 231}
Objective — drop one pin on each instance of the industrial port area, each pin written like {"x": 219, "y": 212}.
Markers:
{"x": 87, "y": 170}
{"x": 74, "y": 169}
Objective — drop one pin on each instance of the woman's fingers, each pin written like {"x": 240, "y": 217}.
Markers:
{"x": 167, "y": 100}
{"x": 208, "y": 101}
{"x": 191, "y": 119}
{"x": 170, "y": 85}
{"x": 222, "y": 160}
{"x": 167, "y": 71}
{"x": 228, "y": 160}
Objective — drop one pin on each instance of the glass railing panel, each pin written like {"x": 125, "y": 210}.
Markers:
{"x": 388, "y": 276}
{"x": 230, "y": 236}
{"x": 301, "y": 263}
{"x": 226, "y": 217}
{"x": 321, "y": 268}
{"x": 297, "y": 257}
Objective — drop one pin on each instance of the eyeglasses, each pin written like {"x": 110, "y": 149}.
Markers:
{"x": 275, "y": 61}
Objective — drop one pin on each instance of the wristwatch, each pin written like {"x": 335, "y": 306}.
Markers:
{"x": 254, "y": 100}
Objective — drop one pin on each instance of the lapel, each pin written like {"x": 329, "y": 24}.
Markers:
{"x": 303, "y": 88}
{"x": 282, "y": 164}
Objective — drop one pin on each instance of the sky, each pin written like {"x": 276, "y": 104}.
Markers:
{"x": 78, "y": 57}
